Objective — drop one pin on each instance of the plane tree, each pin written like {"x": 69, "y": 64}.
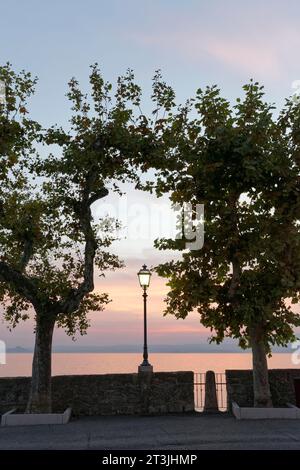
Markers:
{"x": 50, "y": 241}
{"x": 242, "y": 163}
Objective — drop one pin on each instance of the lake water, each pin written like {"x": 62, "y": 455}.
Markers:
{"x": 104, "y": 363}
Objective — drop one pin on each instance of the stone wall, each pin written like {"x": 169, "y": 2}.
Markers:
{"x": 110, "y": 394}
{"x": 240, "y": 386}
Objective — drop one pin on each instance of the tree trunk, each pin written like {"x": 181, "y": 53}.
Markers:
{"x": 40, "y": 392}
{"x": 261, "y": 386}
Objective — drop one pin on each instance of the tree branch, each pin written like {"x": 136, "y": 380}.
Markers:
{"x": 22, "y": 284}
{"x": 235, "y": 280}
{"x": 236, "y": 268}
{"x": 75, "y": 296}
{"x": 27, "y": 253}
{"x": 97, "y": 195}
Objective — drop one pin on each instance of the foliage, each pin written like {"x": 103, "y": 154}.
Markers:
{"x": 242, "y": 163}
{"x": 49, "y": 241}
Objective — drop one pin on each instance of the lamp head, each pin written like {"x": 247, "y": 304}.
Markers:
{"x": 144, "y": 276}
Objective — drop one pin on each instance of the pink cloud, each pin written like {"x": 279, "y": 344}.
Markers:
{"x": 266, "y": 52}
{"x": 249, "y": 57}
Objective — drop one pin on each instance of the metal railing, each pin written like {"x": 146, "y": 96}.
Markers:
{"x": 199, "y": 390}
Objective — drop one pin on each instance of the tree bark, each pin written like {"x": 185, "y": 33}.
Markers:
{"x": 261, "y": 386}
{"x": 40, "y": 391}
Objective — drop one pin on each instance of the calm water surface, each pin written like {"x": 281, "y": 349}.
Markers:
{"x": 104, "y": 363}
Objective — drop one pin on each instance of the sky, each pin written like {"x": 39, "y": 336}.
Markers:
{"x": 194, "y": 43}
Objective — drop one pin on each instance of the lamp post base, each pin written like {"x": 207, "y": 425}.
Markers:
{"x": 145, "y": 368}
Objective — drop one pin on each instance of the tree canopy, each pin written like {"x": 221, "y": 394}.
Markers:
{"x": 50, "y": 242}
{"x": 242, "y": 163}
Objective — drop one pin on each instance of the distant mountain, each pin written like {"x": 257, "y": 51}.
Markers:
{"x": 228, "y": 347}
{"x": 154, "y": 348}
{"x": 18, "y": 349}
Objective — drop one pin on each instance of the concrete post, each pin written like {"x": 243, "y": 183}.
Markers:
{"x": 145, "y": 380}
{"x": 211, "y": 401}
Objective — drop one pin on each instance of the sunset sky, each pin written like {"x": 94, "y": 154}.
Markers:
{"x": 195, "y": 43}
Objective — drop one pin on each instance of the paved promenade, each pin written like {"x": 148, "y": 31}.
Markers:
{"x": 160, "y": 432}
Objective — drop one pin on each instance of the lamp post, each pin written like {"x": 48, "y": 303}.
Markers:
{"x": 144, "y": 276}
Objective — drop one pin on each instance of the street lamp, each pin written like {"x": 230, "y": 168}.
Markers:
{"x": 144, "y": 276}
